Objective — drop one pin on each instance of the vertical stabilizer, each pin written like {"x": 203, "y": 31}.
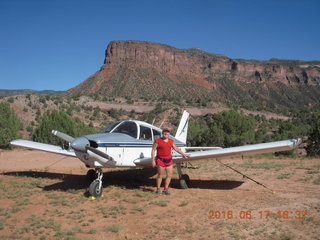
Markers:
{"x": 182, "y": 130}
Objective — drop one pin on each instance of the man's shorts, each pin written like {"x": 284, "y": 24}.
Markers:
{"x": 163, "y": 164}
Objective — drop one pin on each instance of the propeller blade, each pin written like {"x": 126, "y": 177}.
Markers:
{"x": 101, "y": 154}
{"x": 63, "y": 136}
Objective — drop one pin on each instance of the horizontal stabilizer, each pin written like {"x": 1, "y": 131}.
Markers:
{"x": 42, "y": 147}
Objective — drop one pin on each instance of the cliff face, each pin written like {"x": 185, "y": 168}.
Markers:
{"x": 135, "y": 69}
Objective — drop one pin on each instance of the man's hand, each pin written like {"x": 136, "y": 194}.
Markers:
{"x": 186, "y": 155}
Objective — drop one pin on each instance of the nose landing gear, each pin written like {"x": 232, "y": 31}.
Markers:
{"x": 95, "y": 188}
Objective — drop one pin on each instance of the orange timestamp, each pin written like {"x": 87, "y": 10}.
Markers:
{"x": 262, "y": 214}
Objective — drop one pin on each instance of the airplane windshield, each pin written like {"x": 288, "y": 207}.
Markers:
{"x": 110, "y": 127}
{"x": 127, "y": 127}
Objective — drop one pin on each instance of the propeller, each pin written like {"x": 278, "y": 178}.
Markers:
{"x": 83, "y": 144}
{"x": 63, "y": 136}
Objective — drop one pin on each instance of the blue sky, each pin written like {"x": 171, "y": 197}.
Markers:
{"x": 46, "y": 44}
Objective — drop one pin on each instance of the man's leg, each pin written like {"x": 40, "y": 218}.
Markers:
{"x": 169, "y": 171}
{"x": 160, "y": 171}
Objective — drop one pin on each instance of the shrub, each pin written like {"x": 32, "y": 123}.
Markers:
{"x": 58, "y": 120}
{"x": 9, "y": 125}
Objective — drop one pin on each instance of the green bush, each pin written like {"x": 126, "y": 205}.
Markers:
{"x": 58, "y": 120}
{"x": 313, "y": 143}
{"x": 232, "y": 128}
{"x": 9, "y": 125}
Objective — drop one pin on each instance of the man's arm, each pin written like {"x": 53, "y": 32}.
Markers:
{"x": 178, "y": 150}
{"x": 153, "y": 151}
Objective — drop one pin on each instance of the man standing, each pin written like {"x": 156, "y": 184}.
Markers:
{"x": 163, "y": 160}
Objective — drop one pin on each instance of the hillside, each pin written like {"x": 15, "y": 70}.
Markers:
{"x": 155, "y": 71}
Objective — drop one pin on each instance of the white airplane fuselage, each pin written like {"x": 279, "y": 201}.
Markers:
{"x": 122, "y": 149}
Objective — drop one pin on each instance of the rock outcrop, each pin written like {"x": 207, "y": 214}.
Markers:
{"x": 136, "y": 69}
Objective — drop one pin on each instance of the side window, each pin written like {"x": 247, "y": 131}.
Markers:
{"x": 129, "y": 128}
{"x": 156, "y": 134}
{"x": 145, "y": 133}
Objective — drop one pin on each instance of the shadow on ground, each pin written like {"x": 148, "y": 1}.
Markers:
{"x": 130, "y": 179}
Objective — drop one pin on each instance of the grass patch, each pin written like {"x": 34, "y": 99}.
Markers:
{"x": 316, "y": 166}
{"x": 142, "y": 193}
{"x": 92, "y": 231}
{"x": 117, "y": 195}
{"x": 317, "y": 180}
{"x": 313, "y": 171}
{"x": 76, "y": 215}
{"x": 21, "y": 202}
{"x": 306, "y": 179}
{"x": 161, "y": 203}
{"x": 112, "y": 211}
{"x": 140, "y": 208}
{"x": 2, "y": 223}
{"x": 114, "y": 228}
{"x": 183, "y": 203}
{"x": 284, "y": 176}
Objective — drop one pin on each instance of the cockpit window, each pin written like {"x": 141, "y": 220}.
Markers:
{"x": 145, "y": 133}
{"x": 156, "y": 134}
{"x": 127, "y": 127}
{"x": 110, "y": 127}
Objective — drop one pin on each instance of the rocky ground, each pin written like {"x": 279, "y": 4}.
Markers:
{"x": 44, "y": 196}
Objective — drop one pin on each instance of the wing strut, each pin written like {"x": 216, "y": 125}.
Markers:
{"x": 246, "y": 176}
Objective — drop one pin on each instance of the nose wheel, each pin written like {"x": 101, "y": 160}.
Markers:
{"x": 95, "y": 188}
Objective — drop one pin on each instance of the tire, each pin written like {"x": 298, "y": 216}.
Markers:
{"x": 183, "y": 184}
{"x": 186, "y": 178}
{"x": 91, "y": 175}
{"x": 94, "y": 189}
{"x": 184, "y": 181}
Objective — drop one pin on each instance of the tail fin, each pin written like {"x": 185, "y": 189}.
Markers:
{"x": 182, "y": 130}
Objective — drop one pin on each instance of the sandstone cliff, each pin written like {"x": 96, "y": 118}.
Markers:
{"x": 135, "y": 69}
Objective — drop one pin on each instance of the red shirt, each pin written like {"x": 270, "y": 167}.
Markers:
{"x": 164, "y": 148}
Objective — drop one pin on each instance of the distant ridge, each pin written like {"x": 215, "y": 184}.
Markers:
{"x": 139, "y": 69}
{"x": 5, "y": 92}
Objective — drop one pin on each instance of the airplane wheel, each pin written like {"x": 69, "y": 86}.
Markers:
{"x": 91, "y": 175}
{"x": 94, "y": 189}
{"x": 186, "y": 178}
{"x": 184, "y": 181}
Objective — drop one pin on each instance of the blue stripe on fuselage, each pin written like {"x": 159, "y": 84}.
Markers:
{"x": 131, "y": 145}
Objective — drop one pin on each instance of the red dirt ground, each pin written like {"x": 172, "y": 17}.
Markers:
{"x": 44, "y": 196}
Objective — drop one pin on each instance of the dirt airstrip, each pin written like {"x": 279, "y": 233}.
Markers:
{"x": 44, "y": 196}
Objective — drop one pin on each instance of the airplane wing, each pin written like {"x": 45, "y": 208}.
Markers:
{"x": 42, "y": 147}
{"x": 233, "y": 151}
{"x": 201, "y": 148}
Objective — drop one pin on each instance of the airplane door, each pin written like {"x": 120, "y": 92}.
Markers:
{"x": 138, "y": 149}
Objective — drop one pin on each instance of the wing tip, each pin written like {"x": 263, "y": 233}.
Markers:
{"x": 296, "y": 142}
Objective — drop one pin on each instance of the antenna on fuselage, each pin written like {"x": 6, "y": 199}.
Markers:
{"x": 153, "y": 121}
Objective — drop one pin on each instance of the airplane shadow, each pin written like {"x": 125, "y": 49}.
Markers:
{"x": 130, "y": 179}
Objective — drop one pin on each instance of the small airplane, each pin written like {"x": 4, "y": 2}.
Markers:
{"x": 128, "y": 143}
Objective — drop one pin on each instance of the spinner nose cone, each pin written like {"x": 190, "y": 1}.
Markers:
{"x": 80, "y": 144}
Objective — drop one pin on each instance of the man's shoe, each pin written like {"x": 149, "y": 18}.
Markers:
{"x": 157, "y": 192}
{"x": 166, "y": 192}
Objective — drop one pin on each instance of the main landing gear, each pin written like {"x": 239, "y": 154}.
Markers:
{"x": 183, "y": 178}
{"x": 95, "y": 188}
